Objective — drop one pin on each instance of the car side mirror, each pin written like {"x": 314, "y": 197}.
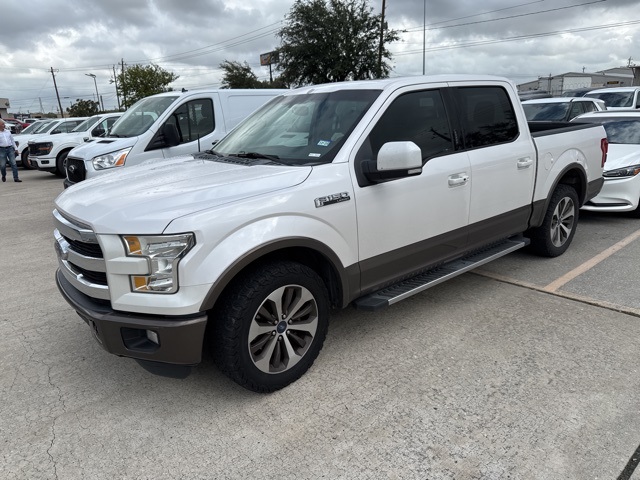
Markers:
{"x": 170, "y": 134}
{"x": 395, "y": 160}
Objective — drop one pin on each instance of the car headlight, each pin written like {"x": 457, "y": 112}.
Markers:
{"x": 111, "y": 160}
{"x": 631, "y": 171}
{"x": 163, "y": 252}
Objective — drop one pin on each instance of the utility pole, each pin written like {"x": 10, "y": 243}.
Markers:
{"x": 381, "y": 41}
{"x": 123, "y": 84}
{"x": 57, "y": 94}
{"x": 424, "y": 34}
{"x": 115, "y": 80}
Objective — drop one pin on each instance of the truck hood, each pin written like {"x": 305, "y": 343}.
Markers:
{"x": 144, "y": 199}
{"x": 620, "y": 156}
{"x": 101, "y": 146}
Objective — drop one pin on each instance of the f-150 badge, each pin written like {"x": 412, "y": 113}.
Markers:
{"x": 331, "y": 199}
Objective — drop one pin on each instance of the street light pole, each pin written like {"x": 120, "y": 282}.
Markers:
{"x": 96, "y": 84}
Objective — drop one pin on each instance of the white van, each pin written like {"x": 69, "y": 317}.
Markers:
{"x": 618, "y": 98}
{"x": 163, "y": 126}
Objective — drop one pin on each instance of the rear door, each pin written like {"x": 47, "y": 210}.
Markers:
{"x": 502, "y": 159}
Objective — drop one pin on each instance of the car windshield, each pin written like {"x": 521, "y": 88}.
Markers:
{"x": 304, "y": 129}
{"x": 545, "y": 111}
{"x": 619, "y": 130}
{"x": 141, "y": 116}
{"x": 615, "y": 99}
{"x": 33, "y": 128}
{"x": 86, "y": 125}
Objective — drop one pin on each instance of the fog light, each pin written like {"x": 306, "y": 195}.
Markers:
{"x": 153, "y": 336}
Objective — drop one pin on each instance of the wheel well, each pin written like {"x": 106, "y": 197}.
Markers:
{"x": 576, "y": 179}
{"x": 305, "y": 256}
{"x": 66, "y": 150}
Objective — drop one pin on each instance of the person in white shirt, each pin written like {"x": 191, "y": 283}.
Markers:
{"x": 8, "y": 149}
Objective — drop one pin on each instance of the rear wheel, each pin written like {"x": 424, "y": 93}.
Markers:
{"x": 271, "y": 325}
{"x": 554, "y": 236}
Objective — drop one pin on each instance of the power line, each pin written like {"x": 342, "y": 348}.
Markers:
{"x": 519, "y": 37}
{"x": 504, "y": 18}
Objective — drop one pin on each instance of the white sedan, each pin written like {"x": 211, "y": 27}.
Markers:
{"x": 621, "y": 189}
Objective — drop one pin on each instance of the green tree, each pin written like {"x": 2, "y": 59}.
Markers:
{"x": 83, "y": 108}
{"x": 238, "y": 75}
{"x": 139, "y": 81}
{"x": 332, "y": 41}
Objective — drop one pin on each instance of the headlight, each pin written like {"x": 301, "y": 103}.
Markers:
{"x": 163, "y": 253}
{"x": 110, "y": 160}
{"x": 631, "y": 171}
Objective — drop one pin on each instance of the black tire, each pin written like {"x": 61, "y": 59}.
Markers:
{"x": 61, "y": 164}
{"x": 271, "y": 325}
{"x": 554, "y": 236}
{"x": 24, "y": 157}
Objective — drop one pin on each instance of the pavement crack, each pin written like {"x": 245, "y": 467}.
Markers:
{"x": 569, "y": 296}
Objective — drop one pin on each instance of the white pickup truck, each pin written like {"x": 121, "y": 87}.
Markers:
{"x": 357, "y": 193}
{"x": 50, "y": 154}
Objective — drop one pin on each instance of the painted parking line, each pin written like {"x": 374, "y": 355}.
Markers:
{"x": 588, "y": 265}
{"x": 553, "y": 287}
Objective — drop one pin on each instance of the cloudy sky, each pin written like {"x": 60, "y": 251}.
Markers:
{"x": 519, "y": 39}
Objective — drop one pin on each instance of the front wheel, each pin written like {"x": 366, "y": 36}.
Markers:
{"x": 26, "y": 164}
{"x": 554, "y": 236}
{"x": 271, "y": 325}
{"x": 61, "y": 164}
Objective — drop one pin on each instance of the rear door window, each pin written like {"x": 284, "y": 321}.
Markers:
{"x": 487, "y": 116}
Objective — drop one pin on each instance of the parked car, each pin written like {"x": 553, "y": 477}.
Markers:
{"x": 577, "y": 92}
{"x": 530, "y": 94}
{"x": 50, "y": 154}
{"x": 621, "y": 189}
{"x": 620, "y": 98}
{"x": 560, "y": 109}
{"x": 15, "y": 127}
{"x": 48, "y": 127}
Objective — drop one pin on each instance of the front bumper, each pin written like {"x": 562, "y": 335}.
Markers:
{"x": 617, "y": 195}
{"x": 44, "y": 164}
{"x": 179, "y": 338}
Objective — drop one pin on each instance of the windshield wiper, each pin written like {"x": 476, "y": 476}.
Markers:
{"x": 213, "y": 152}
{"x": 254, "y": 155}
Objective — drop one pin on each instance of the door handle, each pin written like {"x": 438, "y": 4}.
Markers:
{"x": 524, "y": 162}
{"x": 458, "y": 179}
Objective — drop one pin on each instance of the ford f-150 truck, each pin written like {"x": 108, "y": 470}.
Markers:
{"x": 357, "y": 193}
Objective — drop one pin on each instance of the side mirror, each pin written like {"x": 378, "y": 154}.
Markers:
{"x": 97, "y": 132}
{"x": 170, "y": 134}
{"x": 395, "y": 160}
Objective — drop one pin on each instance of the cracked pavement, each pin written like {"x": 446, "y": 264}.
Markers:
{"x": 477, "y": 378}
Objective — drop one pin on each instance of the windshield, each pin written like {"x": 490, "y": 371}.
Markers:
{"x": 536, "y": 112}
{"x": 615, "y": 99}
{"x": 619, "y": 130}
{"x": 86, "y": 125}
{"x": 305, "y": 129}
{"x": 33, "y": 128}
{"x": 141, "y": 116}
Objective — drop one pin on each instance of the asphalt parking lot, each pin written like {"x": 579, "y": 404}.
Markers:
{"x": 525, "y": 369}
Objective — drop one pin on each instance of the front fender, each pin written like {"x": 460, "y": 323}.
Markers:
{"x": 219, "y": 265}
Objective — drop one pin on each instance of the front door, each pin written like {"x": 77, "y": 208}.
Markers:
{"x": 409, "y": 223}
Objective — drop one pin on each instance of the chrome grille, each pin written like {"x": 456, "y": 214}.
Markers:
{"x": 80, "y": 257}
